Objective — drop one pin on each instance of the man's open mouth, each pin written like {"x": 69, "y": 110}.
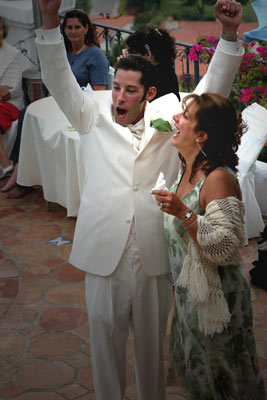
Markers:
{"x": 121, "y": 111}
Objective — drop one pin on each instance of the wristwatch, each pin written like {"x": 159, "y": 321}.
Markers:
{"x": 187, "y": 216}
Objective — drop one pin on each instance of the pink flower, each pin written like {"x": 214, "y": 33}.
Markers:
{"x": 200, "y": 47}
{"x": 211, "y": 51}
{"x": 210, "y": 39}
{"x": 193, "y": 57}
{"x": 246, "y": 91}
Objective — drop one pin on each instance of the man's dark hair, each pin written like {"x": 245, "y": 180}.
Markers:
{"x": 139, "y": 63}
{"x": 153, "y": 38}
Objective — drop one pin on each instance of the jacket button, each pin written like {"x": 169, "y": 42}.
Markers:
{"x": 128, "y": 220}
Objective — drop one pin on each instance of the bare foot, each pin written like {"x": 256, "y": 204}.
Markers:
{"x": 19, "y": 191}
{"x": 11, "y": 183}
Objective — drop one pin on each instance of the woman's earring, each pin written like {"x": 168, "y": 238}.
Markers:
{"x": 200, "y": 148}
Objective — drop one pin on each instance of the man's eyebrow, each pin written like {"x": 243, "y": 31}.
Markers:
{"x": 127, "y": 86}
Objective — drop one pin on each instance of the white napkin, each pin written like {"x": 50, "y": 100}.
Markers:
{"x": 160, "y": 184}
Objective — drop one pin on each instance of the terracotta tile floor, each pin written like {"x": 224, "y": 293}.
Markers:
{"x": 44, "y": 346}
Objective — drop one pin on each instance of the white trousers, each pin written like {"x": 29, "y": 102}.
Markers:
{"x": 128, "y": 299}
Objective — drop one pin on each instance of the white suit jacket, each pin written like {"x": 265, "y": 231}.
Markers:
{"x": 118, "y": 179}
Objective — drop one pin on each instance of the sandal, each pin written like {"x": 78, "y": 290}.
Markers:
{"x": 8, "y": 170}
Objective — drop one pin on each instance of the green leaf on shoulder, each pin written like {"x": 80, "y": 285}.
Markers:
{"x": 161, "y": 125}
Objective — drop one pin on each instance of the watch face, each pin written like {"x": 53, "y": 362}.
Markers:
{"x": 187, "y": 215}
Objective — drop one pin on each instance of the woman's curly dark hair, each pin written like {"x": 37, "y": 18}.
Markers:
{"x": 4, "y": 25}
{"x": 153, "y": 38}
{"x": 91, "y": 35}
{"x": 217, "y": 116}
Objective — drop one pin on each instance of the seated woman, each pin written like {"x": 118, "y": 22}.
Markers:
{"x": 87, "y": 61}
{"x": 89, "y": 65}
{"x": 11, "y": 94}
{"x": 212, "y": 343}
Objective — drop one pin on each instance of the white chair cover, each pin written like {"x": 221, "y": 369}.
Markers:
{"x": 251, "y": 144}
{"x": 8, "y": 140}
{"x": 261, "y": 186}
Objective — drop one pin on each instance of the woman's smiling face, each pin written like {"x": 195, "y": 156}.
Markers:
{"x": 185, "y": 123}
{"x": 75, "y": 31}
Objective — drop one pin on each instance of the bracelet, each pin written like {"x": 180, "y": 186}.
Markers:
{"x": 229, "y": 38}
{"x": 187, "y": 216}
{"x": 192, "y": 223}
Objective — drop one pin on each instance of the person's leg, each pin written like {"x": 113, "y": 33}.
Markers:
{"x": 8, "y": 114}
{"x": 109, "y": 306}
{"x": 12, "y": 181}
{"x": 14, "y": 156}
{"x": 16, "y": 191}
{"x": 151, "y": 307}
{"x": 4, "y": 160}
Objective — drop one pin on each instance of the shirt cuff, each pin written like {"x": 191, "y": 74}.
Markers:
{"x": 48, "y": 36}
{"x": 234, "y": 48}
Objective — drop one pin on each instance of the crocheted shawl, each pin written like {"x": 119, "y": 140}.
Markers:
{"x": 220, "y": 236}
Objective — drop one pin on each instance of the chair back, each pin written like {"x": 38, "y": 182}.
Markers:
{"x": 252, "y": 142}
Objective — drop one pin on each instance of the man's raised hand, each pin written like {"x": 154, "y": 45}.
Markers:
{"x": 229, "y": 13}
{"x": 49, "y": 10}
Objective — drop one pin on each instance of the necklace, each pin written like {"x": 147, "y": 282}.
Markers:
{"x": 81, "y": 49}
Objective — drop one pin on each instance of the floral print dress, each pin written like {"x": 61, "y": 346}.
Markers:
{"x": 225, "y": 366}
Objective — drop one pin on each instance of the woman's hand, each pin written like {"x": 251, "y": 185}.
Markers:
{"x": 5, "y": 92}
{"x": 124, "y": 53}
{"x": 170, "y": 203}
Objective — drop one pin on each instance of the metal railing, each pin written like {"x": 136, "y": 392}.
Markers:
{"x": 114, "y": 35}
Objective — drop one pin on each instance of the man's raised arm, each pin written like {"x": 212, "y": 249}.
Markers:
{"x": 49, "y": 10}
{"x": 229, "y": 13}
{"x": 78, "y": 106}
{"x": 228, "y": 55}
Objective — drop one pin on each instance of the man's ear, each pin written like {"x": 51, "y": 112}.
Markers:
{"x": 151, "y": 93}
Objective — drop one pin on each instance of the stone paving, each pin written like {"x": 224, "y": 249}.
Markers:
{"x": 44, "y": 346}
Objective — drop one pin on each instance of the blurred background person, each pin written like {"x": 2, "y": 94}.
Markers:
{"x": 89, "y": 65}
{"x": 11, "y": 94}
{"x": 158, "y": 46}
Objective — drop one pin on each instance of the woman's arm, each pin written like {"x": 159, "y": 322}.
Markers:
{"x": 219, "y": 185}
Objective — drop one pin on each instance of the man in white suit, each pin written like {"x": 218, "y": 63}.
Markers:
{"x": 119, "y": 239}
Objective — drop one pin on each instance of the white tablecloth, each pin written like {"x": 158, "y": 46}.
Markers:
{"x": 51, "y": 156}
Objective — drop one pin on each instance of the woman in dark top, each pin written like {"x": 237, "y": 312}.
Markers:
{"x": 158, "y": 46}
{"x": 88, "y": 64}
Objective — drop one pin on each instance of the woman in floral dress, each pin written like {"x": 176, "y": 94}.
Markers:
{"x": 212, "y": 344}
